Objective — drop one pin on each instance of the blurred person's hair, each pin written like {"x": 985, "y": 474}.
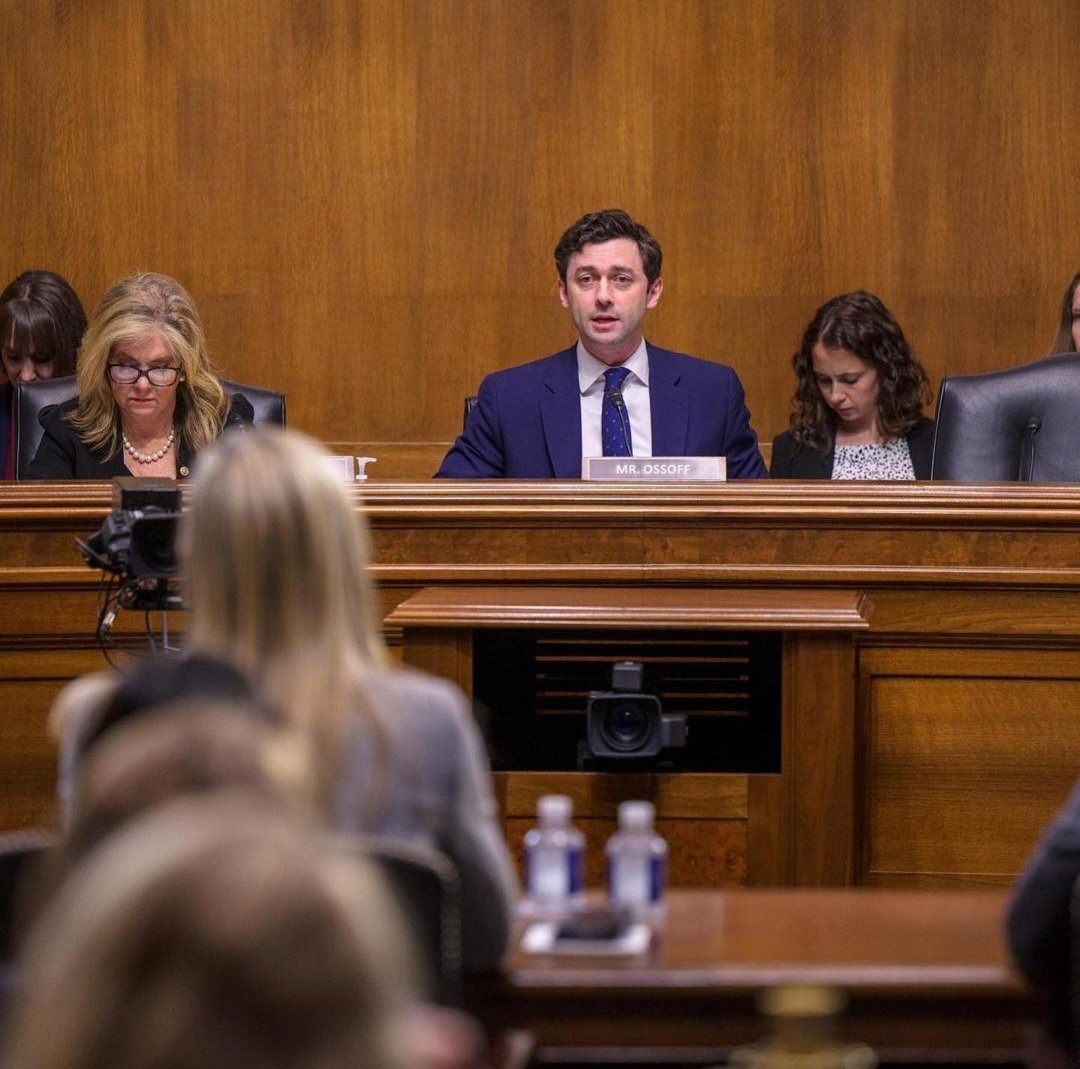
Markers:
{"x": 276, "y": 555}
{"x": 191, "y": 746}
{"x": 213, "y": 934}
{"x": 148, "y": 684}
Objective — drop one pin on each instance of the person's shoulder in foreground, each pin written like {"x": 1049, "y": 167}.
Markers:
{"x": 444, "y": 796}
{"x": 528, "y": 420}
{"x": 1039, "y": 917}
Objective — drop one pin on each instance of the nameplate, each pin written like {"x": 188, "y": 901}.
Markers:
{"x": 655, "y": 469}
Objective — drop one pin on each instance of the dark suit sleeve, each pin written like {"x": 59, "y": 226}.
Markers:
{"x": 478, "y": 452}
{"x": 741, "y": 447}
{"x": 56, "y": 455}
{"x": 783, "y": 455}
{"x": 920, "y": 440}
{"x": 1038, "y": 918}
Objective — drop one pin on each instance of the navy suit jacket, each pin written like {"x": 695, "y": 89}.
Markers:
{"x": 526, "y": 423}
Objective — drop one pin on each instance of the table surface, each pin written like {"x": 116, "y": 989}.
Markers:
{"x": 855, "y": 938}
{"x": 922, "y": 970}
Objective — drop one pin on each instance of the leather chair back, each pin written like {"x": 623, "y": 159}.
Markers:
{"x": 269, "y": 405}
{"x": 1021, "y": 424}
{"x": 32, "y": 397}
{"x": 424, "y": 883}
{"x": 20, "y": 851}
{"x": 470, "y": 404}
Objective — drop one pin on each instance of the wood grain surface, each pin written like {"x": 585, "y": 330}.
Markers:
{"x": 364, "y": 195}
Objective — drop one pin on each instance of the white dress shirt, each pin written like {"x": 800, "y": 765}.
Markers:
{"x": 635, "y": 393}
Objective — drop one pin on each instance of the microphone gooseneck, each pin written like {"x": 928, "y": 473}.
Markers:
{"x": 616, "y": 398}
{"x": 1027, "y": 451}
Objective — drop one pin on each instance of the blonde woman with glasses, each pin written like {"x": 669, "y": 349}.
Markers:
{"x": 149, "y": 399}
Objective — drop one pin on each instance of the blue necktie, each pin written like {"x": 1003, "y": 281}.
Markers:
{"x": 614, "y": 419}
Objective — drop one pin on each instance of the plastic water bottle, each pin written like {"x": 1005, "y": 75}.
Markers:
{"x": 636, "y": 859}
{"x": 554, "y": 852}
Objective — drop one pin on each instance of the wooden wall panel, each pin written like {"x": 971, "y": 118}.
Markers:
{"x": 363, "y": 195}
{"x": 968, "y": 753}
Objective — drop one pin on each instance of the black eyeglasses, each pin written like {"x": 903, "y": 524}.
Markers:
{"x": 128, "y": 375}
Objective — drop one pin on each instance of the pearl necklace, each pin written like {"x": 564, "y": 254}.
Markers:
{"x": 149, "y": 458}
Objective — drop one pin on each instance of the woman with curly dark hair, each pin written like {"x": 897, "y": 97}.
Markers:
{"x": 858, "y": 407}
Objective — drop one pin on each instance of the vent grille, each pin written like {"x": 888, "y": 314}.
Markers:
{"x": 533, "y": 689}
{"x": 703, "y": 675}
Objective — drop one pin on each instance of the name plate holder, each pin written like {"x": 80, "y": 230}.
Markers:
{"x": 654, "y": 469}
{"x": 351, "y": 469}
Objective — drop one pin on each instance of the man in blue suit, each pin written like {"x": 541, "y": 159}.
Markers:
{"x": 538, "y": 420}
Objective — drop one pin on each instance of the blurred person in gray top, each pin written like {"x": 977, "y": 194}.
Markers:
{"x": 276, "y": 554}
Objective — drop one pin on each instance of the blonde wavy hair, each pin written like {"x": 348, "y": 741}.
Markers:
{"x": 277, "y": 558}
{"x": 134, "y": 308}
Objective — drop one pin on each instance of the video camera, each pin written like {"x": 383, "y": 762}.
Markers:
{"x": 137, "y": 542}
{"x": 627, "y": 723}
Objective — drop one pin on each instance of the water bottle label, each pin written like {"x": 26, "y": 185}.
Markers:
{"x": 553, "y": 875}
{"x": 657, "y": 873}
{"x": 577, "y": 871}
{"x": 636, "y": 881}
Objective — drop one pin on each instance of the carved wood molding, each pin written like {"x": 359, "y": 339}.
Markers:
{"x": 571, "y": 607}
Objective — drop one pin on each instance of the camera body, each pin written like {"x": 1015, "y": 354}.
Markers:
{"x": 626, "y": 723}
{"x": 137, "y": 541}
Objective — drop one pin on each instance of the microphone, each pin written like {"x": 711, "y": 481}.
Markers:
{"x": 614, "y": 395}
{"x": 1027, "y": 448}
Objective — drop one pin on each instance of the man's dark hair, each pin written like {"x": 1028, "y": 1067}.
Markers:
{"x": 598, "y": 227}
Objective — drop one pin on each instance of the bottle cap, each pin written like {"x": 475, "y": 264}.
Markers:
{"x": 555, "y": 807}
{"x": 636, "y": 814}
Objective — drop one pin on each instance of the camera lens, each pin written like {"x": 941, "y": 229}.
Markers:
{"x": 153, "y": 540}
{"x": 625, "y": 727}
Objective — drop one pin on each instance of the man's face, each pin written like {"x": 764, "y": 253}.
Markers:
{"x": 607, "y": 294}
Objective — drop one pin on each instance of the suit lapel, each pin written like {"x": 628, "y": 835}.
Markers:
{"x": 670, "y": 406}
{"x": 560, "y": 413}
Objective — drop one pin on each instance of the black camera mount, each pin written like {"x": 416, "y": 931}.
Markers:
{"x": 136, "y": 548}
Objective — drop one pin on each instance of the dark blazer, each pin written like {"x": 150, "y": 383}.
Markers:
{"x": 527, "y": 420}
{"x": 63, "y": 454}
{"x": 7, "y": 396}
{"x": 793, "y": 461}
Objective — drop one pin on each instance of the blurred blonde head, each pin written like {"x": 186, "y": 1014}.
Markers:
{"x": 212, "y": 934}
{"x": 277, "y": 561}
{"x": 134, "y": 309}
{"x": 194, "y": 746}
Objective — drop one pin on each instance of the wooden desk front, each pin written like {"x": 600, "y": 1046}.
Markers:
{"x": 931, "y": 668}
{"x": 924, "y": 971}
